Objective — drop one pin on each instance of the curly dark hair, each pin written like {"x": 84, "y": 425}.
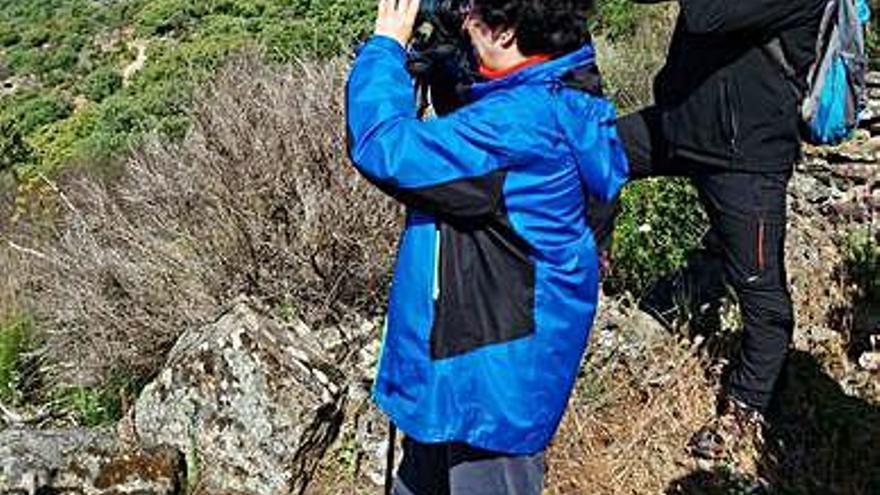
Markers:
{"x": 542, "y": 26}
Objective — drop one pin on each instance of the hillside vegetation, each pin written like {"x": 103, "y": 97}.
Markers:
{"x": 159, "y": 158}
{"x": 83, "y": 79}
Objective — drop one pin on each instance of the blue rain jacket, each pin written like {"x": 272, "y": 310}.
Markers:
{"x": 496, "y": 280}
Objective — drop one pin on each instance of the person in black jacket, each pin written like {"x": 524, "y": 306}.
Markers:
{"x": 726, "y": 116}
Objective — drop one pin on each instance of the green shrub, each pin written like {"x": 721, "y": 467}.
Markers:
{"x": 245, "y": 8}
{"x": 58, "y": 143}
{"x": 163, "y": 17}
{"x": 661, "y": 221}
{"x": 28, "y": 112}
{"x": 617, "y": 19}
{"x": 223, "y": 25}
{"x": 863, "y": 260}
{"x": 14, "y": 150}
{"x": 119, "y": 118}
{"x": 36, "y": 36}
{"x": 101, "y": 84}
{"x": 61, "y": 59}
{"x": 24, "y": 60}
{"x": 55, "y": 42}
{"x": 100, "y": 404}
{"x": 8, "y": 35}
{"x": 14, "y": 340}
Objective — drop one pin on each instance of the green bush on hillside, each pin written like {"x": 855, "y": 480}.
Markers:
{"x": 102, "y": 83}
{"x": 163, "y": 17}
{"x": 617, "y": 19}
{"x": 863, "y": 261}
{"x": 23, "y": 117}
{"x": 14, "y": 150}
{"x": 55, "y": 43}
{"x": 14, "y": 336}
{"x": 100, "y": 405}
{"x": 661, "y": 221}
{"x": 28, "y": 112}
{"x": 62, "y": 141}
{"x": 8, "y": 35}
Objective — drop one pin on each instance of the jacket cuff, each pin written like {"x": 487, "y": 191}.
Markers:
{"x": 386, "y": 43}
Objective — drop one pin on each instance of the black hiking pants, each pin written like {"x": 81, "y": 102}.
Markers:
{"x": 747, "y": 214}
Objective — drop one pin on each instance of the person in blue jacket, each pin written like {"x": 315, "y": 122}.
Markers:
{"x": 497, "y": 276}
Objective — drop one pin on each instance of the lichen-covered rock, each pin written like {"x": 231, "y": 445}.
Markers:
{"x": 252, "y": 406}
{"x": 872, "y": 112}
{"x": 88, "y": 462}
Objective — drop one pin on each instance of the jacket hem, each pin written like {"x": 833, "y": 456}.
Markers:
{"x": 408, "y": 427}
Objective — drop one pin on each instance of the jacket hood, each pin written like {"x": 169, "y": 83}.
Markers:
{"x": 588, "y": 123}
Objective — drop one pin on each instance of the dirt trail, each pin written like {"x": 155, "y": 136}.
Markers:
{"x": 140, "y": 60}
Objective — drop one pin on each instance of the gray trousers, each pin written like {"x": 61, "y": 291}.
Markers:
{"x": 457, "y": 469}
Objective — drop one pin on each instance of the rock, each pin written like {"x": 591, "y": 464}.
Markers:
{"x": 369, "y": 430}
{"x": 89, "y": 462}
{"x": 336, "y": 342}
{"x": 872, "y": 111}
{"x": 857, "y": 173}
{"x": 859, "y": 205}
{"x": 811, "y": 189}
{"x": 870, "y": 361}
{"x": 156, "y": 471}
{"x": 861, "y": 147}
{"x": 368, "y": 360}
{"x": 873, "y": 79}
{"x": 251, "y": 405}
{"x": 819, "y": 334}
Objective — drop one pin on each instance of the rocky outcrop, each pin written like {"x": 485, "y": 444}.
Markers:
{"x": 844, "y": 180}
{"x": 89, "y": 462}
{"x": 834, "y": 194}
{"x": 252, "y": 407}
{"x": 244, "y": 405}
{"x": 872, "y": 113}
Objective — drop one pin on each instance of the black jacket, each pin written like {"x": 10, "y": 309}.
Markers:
{"x": 723, "y": 100}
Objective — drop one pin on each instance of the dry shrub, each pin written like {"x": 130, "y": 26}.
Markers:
{"x": 8, "y": 299}
{"x": 629, "y": 64}
{"x": 10, "y": 279}
{"x": 259, "y": 199}
{"x": 631, "y": 415}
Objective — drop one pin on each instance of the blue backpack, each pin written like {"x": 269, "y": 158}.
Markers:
{"x": 835, "y": 94}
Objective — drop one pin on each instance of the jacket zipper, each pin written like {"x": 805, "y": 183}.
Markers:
{"x": 436, "y": 291}
{"x": 731, "y": 111}
{"x": 760, "y": 250}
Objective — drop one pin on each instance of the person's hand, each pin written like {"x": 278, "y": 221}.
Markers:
{"x": 396, "y": 19}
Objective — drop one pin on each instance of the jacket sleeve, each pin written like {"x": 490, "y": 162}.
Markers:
{"x": 449, "y": 165}
{"x": 730, "y": 16}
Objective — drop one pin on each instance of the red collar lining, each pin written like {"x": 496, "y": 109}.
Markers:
{"x": 499, "y": 73}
